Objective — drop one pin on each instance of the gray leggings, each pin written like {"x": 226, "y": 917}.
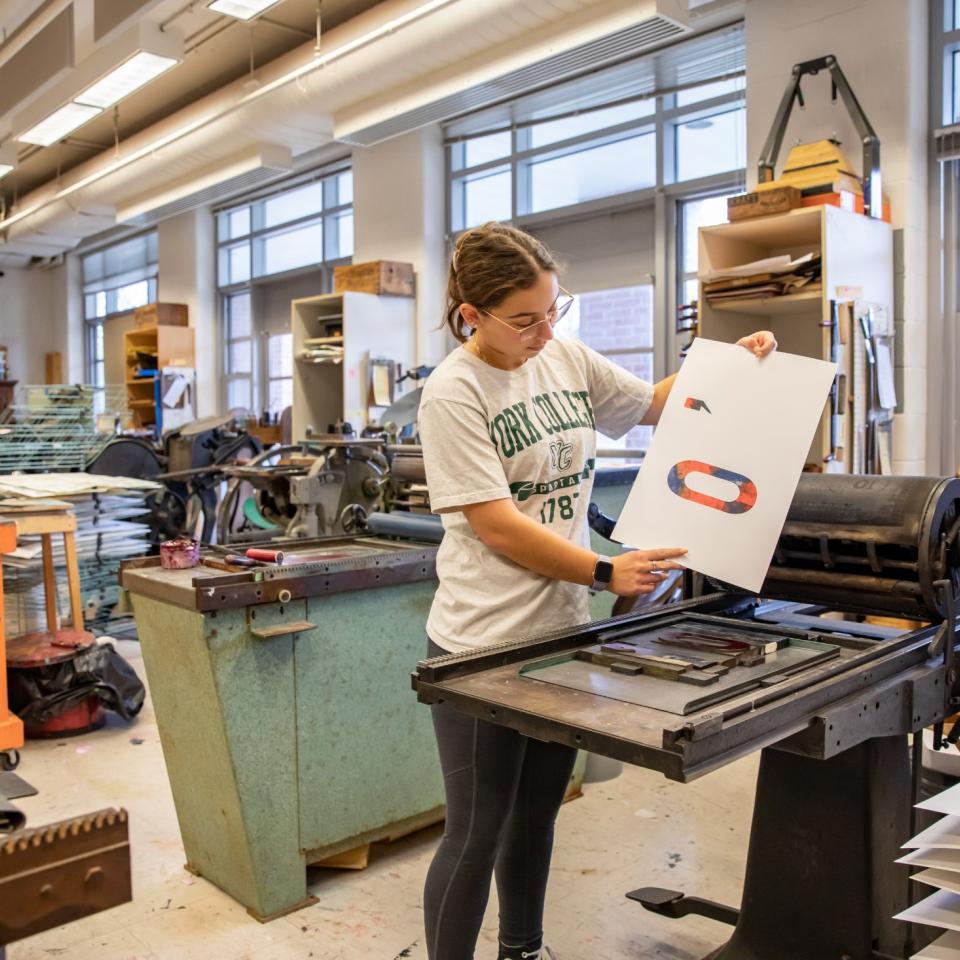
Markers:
{"x": 504, "y": 791}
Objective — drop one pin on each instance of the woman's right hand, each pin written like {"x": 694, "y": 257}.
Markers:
{"x": 640, "y": 571}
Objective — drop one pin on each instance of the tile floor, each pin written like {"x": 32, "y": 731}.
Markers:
{"x": 635, "y": 830}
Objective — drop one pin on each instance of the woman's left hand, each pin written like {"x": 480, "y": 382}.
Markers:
{"x": 760, "y": 343}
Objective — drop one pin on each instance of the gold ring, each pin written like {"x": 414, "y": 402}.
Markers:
{"x": 653, "y": 564}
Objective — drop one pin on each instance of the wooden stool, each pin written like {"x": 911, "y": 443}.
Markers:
{"x": 34, "y": 650}
{"x": 11, "y": 728}
{"x": 47, "y": 517}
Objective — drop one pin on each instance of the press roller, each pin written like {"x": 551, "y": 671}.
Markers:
{"x": 875, "y": 545}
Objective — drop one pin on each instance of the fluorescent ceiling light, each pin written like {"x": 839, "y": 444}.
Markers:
{"x": 113, "y": 71}
{"x": 120, "y": 82}
{"x": 242, "y": 9}
{"x": 59, "y": 124}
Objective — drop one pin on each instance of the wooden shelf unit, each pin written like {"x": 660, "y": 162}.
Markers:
{"x": 367, "y": 327}
{"x": 857, "y": 257}
{"x": 173, "y": 346}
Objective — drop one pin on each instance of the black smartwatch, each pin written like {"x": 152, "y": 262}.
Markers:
{"x": 602, "y": 574}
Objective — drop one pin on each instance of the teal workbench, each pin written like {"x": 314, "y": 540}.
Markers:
{"x": 288, "y": 727}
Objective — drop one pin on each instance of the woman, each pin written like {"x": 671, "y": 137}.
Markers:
{"x": 508, "y": 423}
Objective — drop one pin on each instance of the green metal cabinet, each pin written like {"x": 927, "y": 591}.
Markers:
{"x": 286, "y": 748}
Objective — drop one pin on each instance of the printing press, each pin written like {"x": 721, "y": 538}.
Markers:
{"x": 830, "y": 700}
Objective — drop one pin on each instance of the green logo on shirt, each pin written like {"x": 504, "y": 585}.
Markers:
{"x": 525, "y": 489}
{"x": 513, "y": 429}
{"x": 561, "y": 454}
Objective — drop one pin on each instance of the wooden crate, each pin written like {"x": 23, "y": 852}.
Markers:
{"x": 762, "y": 203}
{"x": 161, "y": 314}
{"x": 377, "y": 276}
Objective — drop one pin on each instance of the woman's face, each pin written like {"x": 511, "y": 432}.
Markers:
{"x": 517, "y": 327}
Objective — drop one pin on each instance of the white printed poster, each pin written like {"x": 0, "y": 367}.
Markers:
{"x": 726, "y": 458}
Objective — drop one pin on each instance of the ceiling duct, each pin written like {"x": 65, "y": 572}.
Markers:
{"x": 247, "y": 171}
{"x": 631, "y": 42}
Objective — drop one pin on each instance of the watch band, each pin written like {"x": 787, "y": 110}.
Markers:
{"x": 602, "y": 574}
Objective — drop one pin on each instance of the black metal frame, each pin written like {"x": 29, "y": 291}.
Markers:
{"x": 872, "y": 189}
{"x": 691, "y": 746}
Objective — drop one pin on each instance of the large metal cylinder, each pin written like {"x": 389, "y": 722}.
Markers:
{"x": 870, "y": 544}
{"x": 412, "y": 526}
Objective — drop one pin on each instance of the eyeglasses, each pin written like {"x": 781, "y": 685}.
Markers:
{"x": 553, "y": 316}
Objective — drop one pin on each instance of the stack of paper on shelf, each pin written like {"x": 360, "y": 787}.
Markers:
{"x": 936, "y": 851}
{"x": 111, "y": 527}
{"x": 770, "y": 277}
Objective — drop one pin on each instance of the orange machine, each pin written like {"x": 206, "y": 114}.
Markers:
{"x": 11, "y": 729}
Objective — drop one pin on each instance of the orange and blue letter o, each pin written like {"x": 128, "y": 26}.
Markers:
{"x": 744, "y": 501}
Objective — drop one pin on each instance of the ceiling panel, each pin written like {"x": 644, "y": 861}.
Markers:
{"x": 41, "y": 60}
{"x": 14, "y": 13}
{"x": 108, "y": 14}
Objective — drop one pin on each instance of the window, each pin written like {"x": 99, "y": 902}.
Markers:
{"x": 482, "y": 196}
{"x": 116, "y": 279}
{"x": 292, "y": 235}
{"x": 543, "y": 159}
{"x": 713, "y": 144}
{"x": 238, "y": 343}
{"x": 708, "y": 91}
{"x": 485, "y": 149}
{"x": 593, "y": 122}
{"x": 304, "y": 226}
{"x": 95, "y": 355}
{"x": 694, "y": 214}
{"x": 280, "y": 371}
{"x": 617, "y": 323}
{"x": 576, "y": 177}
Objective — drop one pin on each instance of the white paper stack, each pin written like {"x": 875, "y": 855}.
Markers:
{"x": 937, "y": 851}
{"x": 111, "y": 527}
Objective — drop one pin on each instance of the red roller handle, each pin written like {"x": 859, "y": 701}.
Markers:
{"x": 268, "y": 556}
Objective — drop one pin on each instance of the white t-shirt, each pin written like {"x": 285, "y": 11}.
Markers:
{"x": 529, "y": 434}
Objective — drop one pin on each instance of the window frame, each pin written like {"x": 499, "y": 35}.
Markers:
{"x": 662, "y": 120}
{"x": 93, "y": 325}
{"x": 332, "y": 210}
{"x": 943, "y": 236}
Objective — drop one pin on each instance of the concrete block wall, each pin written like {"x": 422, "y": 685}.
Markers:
{"x": 881, "y": 46}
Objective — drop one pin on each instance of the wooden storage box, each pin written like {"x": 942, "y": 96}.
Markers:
{"x": 161, "y": 314}
{"x": 761, "y": 203}
{"x": 377, "y": 276}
